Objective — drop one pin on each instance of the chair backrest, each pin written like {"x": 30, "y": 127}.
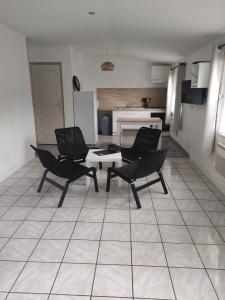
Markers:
{"x": 150, "y": 163}
{"x": 71, "y": 142}
{"x": 49, "y": 161}
{"x": 147, "y": 139}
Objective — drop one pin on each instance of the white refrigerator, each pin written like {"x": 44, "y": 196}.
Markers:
{"x": 85, "y": 114}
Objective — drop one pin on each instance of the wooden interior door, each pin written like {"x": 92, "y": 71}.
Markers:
{"x": 47, "y": 90}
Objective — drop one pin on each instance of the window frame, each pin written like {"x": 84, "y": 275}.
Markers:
{"x": 220, "y": 128}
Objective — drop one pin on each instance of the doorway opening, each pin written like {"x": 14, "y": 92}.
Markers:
{"x": 48, "y": 103}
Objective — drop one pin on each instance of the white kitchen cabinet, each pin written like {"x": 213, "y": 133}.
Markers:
{"x": 131, "y": 114}
{"x": 128, "y": 114}
{"x": 134, "y": 123}
{"x": 200, "y": 75}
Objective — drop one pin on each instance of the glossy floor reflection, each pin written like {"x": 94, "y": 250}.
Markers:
{"x": 99, "y": 246}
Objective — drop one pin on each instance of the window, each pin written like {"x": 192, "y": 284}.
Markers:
{"x": 221, "y": 105}
{"x": 222, "y": 117}
{"x": 171, "y": 94}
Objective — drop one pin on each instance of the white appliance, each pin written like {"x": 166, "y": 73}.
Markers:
{"x": 85, "y": 114}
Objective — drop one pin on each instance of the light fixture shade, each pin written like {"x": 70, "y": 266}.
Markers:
{"x": 107, "y": 66}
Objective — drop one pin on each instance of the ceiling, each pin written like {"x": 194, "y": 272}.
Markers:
{"x": 157, "y": 30}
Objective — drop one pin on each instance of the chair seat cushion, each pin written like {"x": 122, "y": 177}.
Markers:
{"x": 129, "y": 154}
{"x": 73, "y": 170}
{"x": 126, "y": 171}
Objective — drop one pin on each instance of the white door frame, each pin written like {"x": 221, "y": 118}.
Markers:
{"x": 61, "y": 81}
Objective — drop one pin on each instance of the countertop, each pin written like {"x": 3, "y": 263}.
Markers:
{"x": 133, "y": 120}
{"x": 160, "y": 109}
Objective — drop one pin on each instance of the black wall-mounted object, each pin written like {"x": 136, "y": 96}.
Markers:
{"x": 76, "y": 84}
{"x": 193, "y": 95}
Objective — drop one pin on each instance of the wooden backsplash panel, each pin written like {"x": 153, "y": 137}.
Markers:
{"x": 112, "y": 98}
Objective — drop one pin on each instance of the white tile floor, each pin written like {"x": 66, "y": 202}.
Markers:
{"x": 99, "y": 246}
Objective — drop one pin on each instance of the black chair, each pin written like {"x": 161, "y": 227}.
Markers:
{"x": 71, "y": 144}
{"x": 146, "y": 140}
{"x": 67, "y": 169}
{"x": 148, "y": 164}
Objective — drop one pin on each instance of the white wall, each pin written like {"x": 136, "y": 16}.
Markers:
{"x": 128, "y": 72}
{"x": 63, "y": 55}
{"x": 17, "y": 129}
{"x": 195, "y": 124}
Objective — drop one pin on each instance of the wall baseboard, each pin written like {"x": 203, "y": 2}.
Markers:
{"x": 175, "y": 141}
{"x": 14, "y": 168}
{"x": 210, "y": 173}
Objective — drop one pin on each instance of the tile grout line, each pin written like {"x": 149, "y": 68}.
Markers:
{"x": 196, "y": 247}
{"x": 102, "y": 226}
{"x": 174, "y": 291}
{"x": 38, "y": 239}
{"x": 113, "y": 264}
{"x": 99, "y": 245}
{"x": 206, "y": 212}
{"x": 19, "y": 197}
{"x": 68, "y": 243}
{"x": 131, "y": 245}
{"x": 22, "y": 221}
{"x": 27, "y": 261}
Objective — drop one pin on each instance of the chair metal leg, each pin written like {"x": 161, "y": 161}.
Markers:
{"x": 136, "y": 198}
{"x": 63, "y": 194}
{"x": 95, "y": 180}
{"x": 108, "y": 181}
{"x": 42, "y": 181}
{"x": 163, "y": 182}
{"x": 100, "y": 165}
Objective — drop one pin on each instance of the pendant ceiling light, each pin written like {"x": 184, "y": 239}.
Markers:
{"x": 107, "y": 65}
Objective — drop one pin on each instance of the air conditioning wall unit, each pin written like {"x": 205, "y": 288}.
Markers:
{"x": 159, "y": 74}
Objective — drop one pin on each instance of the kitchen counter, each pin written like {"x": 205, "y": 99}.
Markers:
{"x": 137, "y": 123}
{"x": 133, "y": 120}
{"x": 159, "y": 109}
{"x": 136, "y": 113}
